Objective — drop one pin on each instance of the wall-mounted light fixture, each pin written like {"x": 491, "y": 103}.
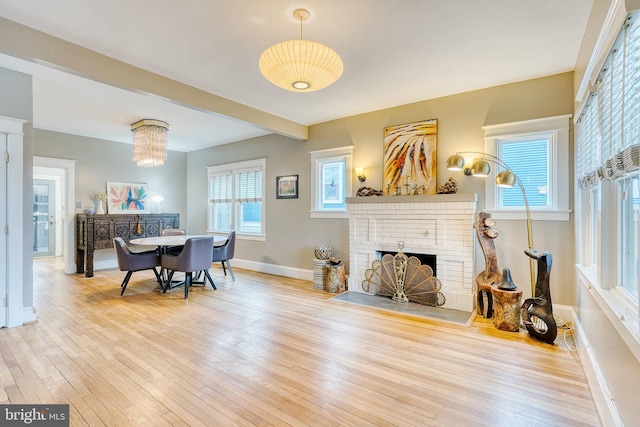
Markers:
{"x": 360, "y": 173}
{"x": 506, "y": 178}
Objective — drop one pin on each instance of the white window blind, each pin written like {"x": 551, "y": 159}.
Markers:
{"x": 249, "y": 185}
{"x": 220, "y": 187}
{"x": 607, "y": 131}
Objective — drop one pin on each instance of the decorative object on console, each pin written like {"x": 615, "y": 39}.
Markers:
{"x": 300, "y": 65}
{"x": 322, "y": 252}
{"x": 537, "y": 312}
{"x": 149, "y": 142}
{"x": 403, "y": 279}
{"x": 410, "y": 158}
{"x": 368, "y": 191}
{"x": 491, "y": 274}
{"x": 124, "y": 197}
{"x": 158, "y": 199}
{"x": 99, "y": 197}
{"x": 449, "y": 187}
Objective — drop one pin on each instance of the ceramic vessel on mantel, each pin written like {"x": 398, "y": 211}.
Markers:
{"x": 322, "y": 252}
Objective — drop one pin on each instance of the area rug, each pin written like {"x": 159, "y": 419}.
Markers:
{"x": 445, "y": 314}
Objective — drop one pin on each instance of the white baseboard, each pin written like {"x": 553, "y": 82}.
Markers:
{"x": 278, "y": 270}
{"x": 28, "y": 315}
{"x": 605, "y": 405}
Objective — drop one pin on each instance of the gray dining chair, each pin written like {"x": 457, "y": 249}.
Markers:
{"x": 195, "y": 256}
{"x": 132, "y": 262}
{"x": 223, "y": 253}
{"x": 173, "y": 232}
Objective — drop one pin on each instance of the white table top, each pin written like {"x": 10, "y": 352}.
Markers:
{"x": 171, "y": 240}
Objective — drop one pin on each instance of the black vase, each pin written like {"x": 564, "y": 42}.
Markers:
{"x": 506, "y": 284}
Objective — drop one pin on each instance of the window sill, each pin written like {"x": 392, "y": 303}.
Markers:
{"x": 329, "y": 214}
{"x": 240, "y": 236}
{"x": 550, "y": 215}
{"x": 625, "y": 322}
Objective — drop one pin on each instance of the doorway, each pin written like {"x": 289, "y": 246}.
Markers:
{"x": 62, "y": 172}
{"x": 44, "y": 217}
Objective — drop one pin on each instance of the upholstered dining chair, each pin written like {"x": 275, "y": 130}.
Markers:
{"x": 224, "y": 253}
{"x": 132, "y": 262}
{"x": 173, "y": 232}
{"x": 195, "y": 256}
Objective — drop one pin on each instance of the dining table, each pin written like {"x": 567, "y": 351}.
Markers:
{"x": 163, "y": 242}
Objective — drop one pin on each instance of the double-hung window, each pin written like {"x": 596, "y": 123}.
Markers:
{"x": 236, "y": 198}
{"x": 330, "y": 182}
{"x": 537, "y": 152}
{"x": 607, "y": 174}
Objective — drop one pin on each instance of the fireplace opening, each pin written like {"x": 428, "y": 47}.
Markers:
{"x": 425, "y": 259}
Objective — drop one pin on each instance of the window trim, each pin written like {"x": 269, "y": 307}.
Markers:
{"x": 234, "y": 168}
{"x": 558, "y": 126}
{"x": 317, "y": 158}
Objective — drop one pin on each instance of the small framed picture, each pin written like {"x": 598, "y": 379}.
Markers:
{"x": 287, "y": 187}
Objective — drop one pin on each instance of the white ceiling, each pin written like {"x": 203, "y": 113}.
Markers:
{"x": 394, "y": 53}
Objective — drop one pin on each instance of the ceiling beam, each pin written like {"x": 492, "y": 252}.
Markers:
{"x": 31, "y": 45}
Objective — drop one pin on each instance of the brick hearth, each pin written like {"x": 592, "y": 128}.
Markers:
{"x": 440, "y": 225}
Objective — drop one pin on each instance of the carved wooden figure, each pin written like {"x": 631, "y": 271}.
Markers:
{"x": 491, "y": 274}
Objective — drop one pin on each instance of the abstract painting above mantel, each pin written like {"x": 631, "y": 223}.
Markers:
{"x": 125, "y": 197}
{"x": 410, "y": 158}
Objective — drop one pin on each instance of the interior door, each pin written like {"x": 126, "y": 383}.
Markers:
{"x": 3, "y": 224}
{"x": 44, "y": 219}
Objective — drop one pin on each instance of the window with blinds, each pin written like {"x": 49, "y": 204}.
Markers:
{"x": 537, "y": 152}
{"x": 236, "y": 197}
{"x": 608, "y": 128}
{"x": 607, "y": 146}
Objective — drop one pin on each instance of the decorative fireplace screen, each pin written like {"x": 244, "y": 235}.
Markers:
{"x": 403, "y": 279}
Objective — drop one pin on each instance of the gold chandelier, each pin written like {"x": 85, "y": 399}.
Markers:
{"x": 150, "y": 142}
{"x": 300, "y": 65}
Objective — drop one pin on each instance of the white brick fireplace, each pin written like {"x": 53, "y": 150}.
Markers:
{"x": 440, "y": 225}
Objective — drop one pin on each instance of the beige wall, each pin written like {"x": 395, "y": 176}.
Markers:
{"x": 292, "y": 234}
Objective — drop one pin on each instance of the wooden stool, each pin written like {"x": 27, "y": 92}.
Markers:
{"x": 506, "y": 309}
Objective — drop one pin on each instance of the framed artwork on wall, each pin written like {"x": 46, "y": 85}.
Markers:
{"x": 287, "y": 187}
{"x": 410, "y": 158}
{"x": 127, "y": 197}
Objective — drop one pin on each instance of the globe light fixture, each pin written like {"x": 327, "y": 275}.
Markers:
{"x": 300, "y": 65}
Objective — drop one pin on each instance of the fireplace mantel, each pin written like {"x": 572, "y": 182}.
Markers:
{"x": 440, "y": 225}
{"x": 436, "y": 198}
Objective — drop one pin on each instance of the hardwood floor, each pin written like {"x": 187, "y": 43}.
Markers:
{"x": 267, "y": 350}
